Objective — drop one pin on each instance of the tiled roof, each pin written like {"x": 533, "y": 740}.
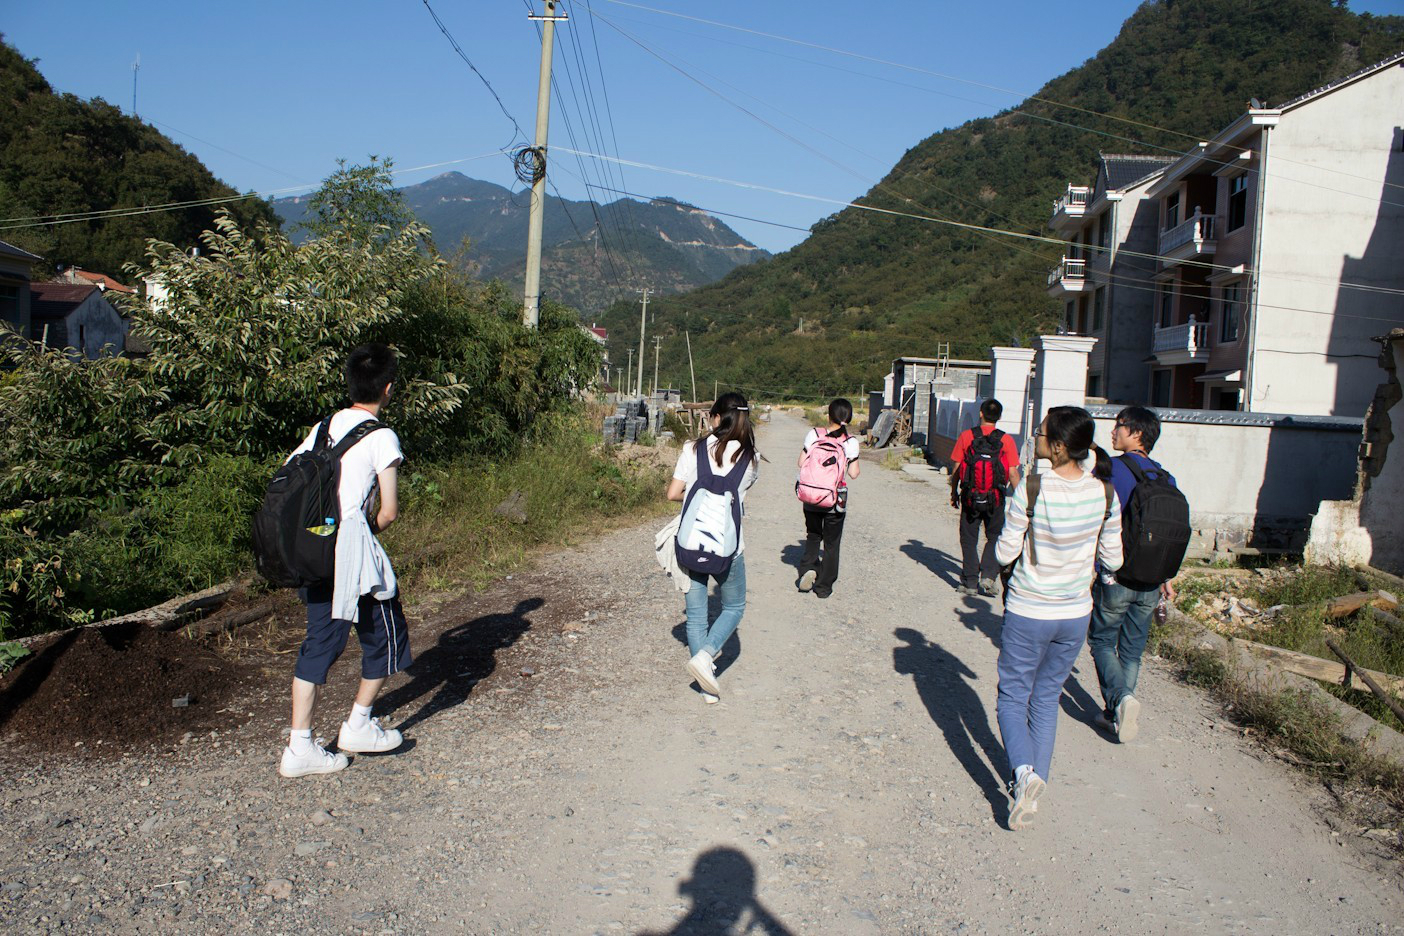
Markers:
{"x": 603, "y": 333}
{"x": 55, "y": 300}
{"x": 10, "y": 250}
{"x": 1395, "y": 59}
{"x": 1123, "y": 170}
{"x": 101, "y": 279}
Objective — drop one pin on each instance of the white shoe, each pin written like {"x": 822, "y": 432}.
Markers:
{"x": 1127, "y": 711}
{"x": 317, "y": 760}
{"x": 700, "y": 668}
{"x": 806, "y": 581}
{"x": 1026, "y": 792}
{"x": 709, "y": 698}
{"x": 372, "y": 739}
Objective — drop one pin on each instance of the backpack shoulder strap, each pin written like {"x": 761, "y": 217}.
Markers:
{"x": 323, "y": 439}
{"x": 699, "y": 448}
{"x": 1032, "y": 486}
{"x": 996, "y": 436}
{"x": 1111, "y": 496}
{"x": 357, "y": 433}
{"x": 1134, "y": 467}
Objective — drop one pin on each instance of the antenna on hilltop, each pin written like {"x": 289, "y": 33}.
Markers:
{"x": 136, "y": 67}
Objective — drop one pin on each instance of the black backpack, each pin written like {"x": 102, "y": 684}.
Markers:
{"x": 294, "y": 532}
{"x": 1155, "y": 530}
{"x": 984, "y": 479}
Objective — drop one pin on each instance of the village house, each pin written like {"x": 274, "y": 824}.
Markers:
{"x": 1102, "y": 279}
{"x": 16, "y": 272}
{"x": 64, "y": 315}
{"x": 1278, "y": 249}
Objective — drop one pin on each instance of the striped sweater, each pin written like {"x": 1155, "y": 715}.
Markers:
{"x": 1067, "y": 517}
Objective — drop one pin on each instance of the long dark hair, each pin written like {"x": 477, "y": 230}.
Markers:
{"x": 735, "y": 425}
{"x": 840, "y": 412}
{"x": 1074, "y": 428}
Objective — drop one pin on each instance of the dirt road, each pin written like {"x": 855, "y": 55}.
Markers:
{"x": 848, "y": 782}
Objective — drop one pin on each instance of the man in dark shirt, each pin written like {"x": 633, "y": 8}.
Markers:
{"x": 1121, "y": 616}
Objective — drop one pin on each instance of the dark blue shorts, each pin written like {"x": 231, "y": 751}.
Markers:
{"x": 384, "y": 637}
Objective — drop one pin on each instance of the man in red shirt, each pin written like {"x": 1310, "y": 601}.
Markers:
{"x": 980, "y": 498}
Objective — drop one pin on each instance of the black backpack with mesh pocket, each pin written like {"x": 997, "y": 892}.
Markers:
{"x": 1155, "y": 530}
{"x": 294, "y": 532}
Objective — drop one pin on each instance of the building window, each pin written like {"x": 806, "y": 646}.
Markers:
{"x": 1238, "y": 202}
{"x": 1094, "y": 385}
{"x": 1172, "y": 211}
{"x": 9, "y": 302}
{"x": 1106, "y": 230}
{"x": 1232, "y": 312}
{"x": 1224, "y": 399}
{"x": 1160, "y": 388}
{"x": 1166, "y": 304}
{"x": 1068, "y": 317}
{"x": 1097, "y": 310}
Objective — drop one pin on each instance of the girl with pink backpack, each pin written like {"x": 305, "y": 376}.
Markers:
{"x": 827, "y": 462}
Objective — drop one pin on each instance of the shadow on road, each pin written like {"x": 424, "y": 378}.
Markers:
{"x": 792, "y": 555}
{"x": 956, "y": 709}
{"x": 945, "y": 567}
{"x": 723, "y": 893}
{"x": 979, "y": 614}
{"x": 464, "y": 656}
{"x": 1080, "y": 704}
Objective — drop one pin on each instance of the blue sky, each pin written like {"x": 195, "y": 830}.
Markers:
{"x": 270, "y": 95}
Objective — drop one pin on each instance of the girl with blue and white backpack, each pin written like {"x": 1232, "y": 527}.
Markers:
{"x": 711, "y": 480}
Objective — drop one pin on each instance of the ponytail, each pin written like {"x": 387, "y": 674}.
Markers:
{"x": 1103, "y": 469}
{"x": 840, "y": 412}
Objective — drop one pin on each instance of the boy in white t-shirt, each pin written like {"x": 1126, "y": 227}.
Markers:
{"x": 824, "y": 526}
{"x": 364, "y": 593}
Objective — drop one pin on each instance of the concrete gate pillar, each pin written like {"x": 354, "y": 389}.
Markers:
{"x": 1060, "y": 373}
{"x": 1009, "y": 380}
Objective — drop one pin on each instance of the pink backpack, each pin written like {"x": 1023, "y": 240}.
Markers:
{"x": 822, "y": 472}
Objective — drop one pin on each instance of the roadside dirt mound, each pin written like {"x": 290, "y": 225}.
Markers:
{"x": 103, "y": 687}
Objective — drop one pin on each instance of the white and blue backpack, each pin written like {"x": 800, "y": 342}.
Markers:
{"x": 710, "y": 529}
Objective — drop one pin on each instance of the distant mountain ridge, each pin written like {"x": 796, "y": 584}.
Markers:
{"x": 826, "y": 316}
{"x": 666, "y": 245}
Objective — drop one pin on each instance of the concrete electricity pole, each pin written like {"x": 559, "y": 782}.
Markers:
{"x": 656, "y": 341}
{"x": 643, "y": 323}
{"x": 531, "y": 308}
{"x": 692, "y": 373}
{"x": 631, "y": 369}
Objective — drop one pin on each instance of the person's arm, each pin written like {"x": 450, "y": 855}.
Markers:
{"x": 676, "y": 486}
{"x": 1109, "y": 556}
{"x": 389, "y": 510}
{"x": 1010, "y": 454}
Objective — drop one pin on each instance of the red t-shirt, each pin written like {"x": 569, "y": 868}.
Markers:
{"x": 1008, "y": 455}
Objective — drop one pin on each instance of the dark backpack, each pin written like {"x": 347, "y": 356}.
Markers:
{"x": 984, "y": 479}
{"x": 294, "y": 532}
{"x": 709, "y": 530}
{"x": 1155, "y": 530}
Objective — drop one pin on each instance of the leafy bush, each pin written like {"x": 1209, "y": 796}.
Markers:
{"x": 124, "y": 480}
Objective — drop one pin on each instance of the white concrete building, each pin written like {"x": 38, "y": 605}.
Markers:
{"x": 1281, "y": 252}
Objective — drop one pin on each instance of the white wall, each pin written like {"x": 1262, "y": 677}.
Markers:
{"x": 1251, "y": 479}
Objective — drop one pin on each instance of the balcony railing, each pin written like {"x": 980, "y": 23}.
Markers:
{"x": 1198, "y": 229}
{"x": 1191, "y": 338}
{"x": 1070, "y": 273}
{"x": 1076, "y": 198}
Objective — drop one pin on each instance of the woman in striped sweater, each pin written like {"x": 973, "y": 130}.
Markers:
{"x": 1074, "y": 519}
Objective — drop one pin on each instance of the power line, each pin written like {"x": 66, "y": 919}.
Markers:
{"x": 481, "y": 77}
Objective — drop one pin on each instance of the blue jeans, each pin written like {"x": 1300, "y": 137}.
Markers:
{"x": 732, "y": 588}
{"x": 1035, "y": 659}
{"x": 1121, "y": 619}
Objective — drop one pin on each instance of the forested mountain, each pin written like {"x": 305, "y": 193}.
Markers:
{"x": 60, "y": 154}
{"x": 667, "y": 245}
{"x": 863, "y": 288}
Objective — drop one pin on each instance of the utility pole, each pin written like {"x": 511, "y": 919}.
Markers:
{"x": 714, "y": 390}
{"x": 690, "y": 371}
{"x": 618, "y": 375}
{"x": 531, "y": 308}
{"x": 643, "y": 323}
{"x": 656, "y": 340}
{"x": 136, "y": 67}
{"x": 631, "y": 369}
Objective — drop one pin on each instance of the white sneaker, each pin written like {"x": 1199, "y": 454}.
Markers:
{"x": 1127, "y": 710}
{"x": 317, "y": 760}
{"x": 372, "y": 739}
{"x": 709, "y": 698}
{"x": 700, "y": 668}
{"x": 1026, "y": 792}
{"x": 806, "y": 581}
